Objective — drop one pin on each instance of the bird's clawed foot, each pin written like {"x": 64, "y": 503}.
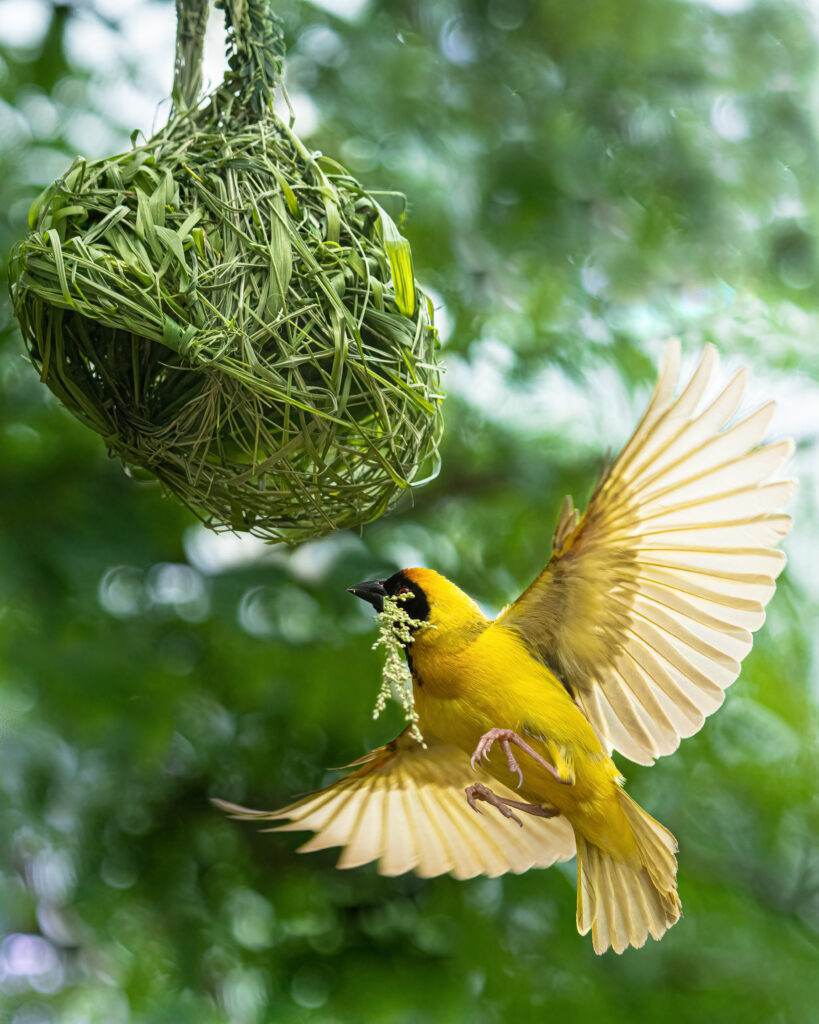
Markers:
{"x": 505, "y": 737}
{"x": 477, "y": 791}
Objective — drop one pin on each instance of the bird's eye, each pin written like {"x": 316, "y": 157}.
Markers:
{"x": 404, "y": 590}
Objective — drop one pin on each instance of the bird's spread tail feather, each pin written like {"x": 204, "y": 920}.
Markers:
{"x": 624, "y": 901}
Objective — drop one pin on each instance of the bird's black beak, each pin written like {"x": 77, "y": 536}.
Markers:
{"x": 372, "y": 591}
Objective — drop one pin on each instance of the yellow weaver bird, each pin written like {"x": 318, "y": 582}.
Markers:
{"x": 625, "y": 641}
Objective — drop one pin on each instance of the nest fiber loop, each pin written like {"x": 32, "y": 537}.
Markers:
{"x": 234, "y": 314}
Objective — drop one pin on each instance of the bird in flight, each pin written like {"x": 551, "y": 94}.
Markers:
{"x": 626, "y": 641}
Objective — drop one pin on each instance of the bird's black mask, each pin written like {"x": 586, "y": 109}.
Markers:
{"x": 398, "y": 585}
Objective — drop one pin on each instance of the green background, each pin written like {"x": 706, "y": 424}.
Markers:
{"x": 585, "y": 179}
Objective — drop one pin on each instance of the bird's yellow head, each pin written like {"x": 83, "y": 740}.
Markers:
{"x": 428, "y": 597}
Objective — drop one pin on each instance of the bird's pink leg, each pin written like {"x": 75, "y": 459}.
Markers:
{"x": 477, "y": 791}
{"x": 505, "y": 737}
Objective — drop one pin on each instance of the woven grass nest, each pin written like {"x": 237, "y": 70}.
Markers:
{"x": 234, "y": 314}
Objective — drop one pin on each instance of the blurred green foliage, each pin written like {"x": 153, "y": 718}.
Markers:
{"x": 584, "y": 179}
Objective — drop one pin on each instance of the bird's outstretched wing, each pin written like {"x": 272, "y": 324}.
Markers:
{"x": 404, "y": 806}
{"x": 647, "y": 605}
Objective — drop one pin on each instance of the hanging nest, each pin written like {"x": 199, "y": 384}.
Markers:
{"x": 234, "y": 314}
